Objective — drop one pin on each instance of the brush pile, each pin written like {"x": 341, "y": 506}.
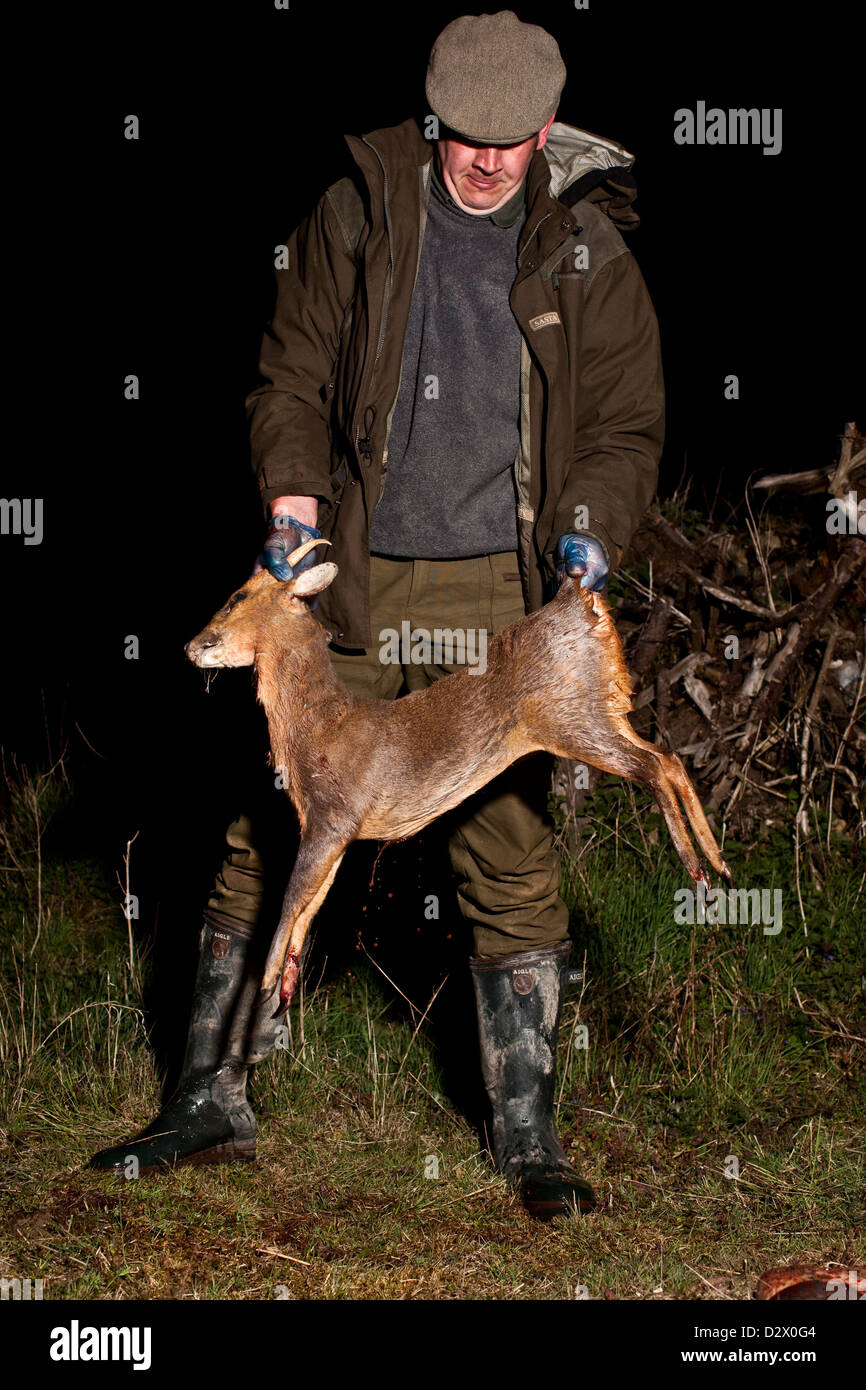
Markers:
{"x": 746, "y": 640}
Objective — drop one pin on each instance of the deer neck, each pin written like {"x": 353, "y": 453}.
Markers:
{"x": 304, "y": 701}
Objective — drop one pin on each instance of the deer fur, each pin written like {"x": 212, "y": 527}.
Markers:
{"x": 361, "y": 769}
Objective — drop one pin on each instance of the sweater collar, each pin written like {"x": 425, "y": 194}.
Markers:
{"x": 506, "y": 216}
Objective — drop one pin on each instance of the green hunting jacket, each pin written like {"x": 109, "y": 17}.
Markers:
{"x": 591, "y": 387}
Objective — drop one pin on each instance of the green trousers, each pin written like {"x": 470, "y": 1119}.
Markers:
{"x": 501, "y": 840}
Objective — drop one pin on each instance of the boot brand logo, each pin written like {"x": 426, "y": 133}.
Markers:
{"x": 523, "y": 980}
{"x": 220, "y": 944}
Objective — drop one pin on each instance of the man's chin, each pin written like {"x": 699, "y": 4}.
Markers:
{"x": 477, "y": 200}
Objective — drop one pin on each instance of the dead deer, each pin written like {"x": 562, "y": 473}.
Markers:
{"x": 361, "y": 769}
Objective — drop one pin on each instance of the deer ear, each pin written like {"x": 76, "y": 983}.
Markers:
{"x": 313, "y": 581}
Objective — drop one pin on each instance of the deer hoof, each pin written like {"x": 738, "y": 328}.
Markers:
{"x": 266, "y": 997}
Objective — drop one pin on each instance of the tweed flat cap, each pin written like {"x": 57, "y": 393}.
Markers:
{"x": 493, "y": 78}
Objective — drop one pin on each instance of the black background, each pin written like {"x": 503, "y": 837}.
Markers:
{"x": 155, "y": 257}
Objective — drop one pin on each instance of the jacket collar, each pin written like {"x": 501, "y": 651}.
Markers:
{"x": 569, "y": 152}
{"x": 392, "y": 153}
{"x": 506, "y": 216}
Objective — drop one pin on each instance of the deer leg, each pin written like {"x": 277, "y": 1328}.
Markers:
{"x": 674, "y": 773}
{"x": 312, "y": 876}
{"x": 642, "y": 762}
{"x": 298, "y": 940}
{"x": 695, "y": 812}
{"x": 662, "y": 789}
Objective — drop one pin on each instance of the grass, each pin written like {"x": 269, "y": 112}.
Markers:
{"x": 711, "y": 1051}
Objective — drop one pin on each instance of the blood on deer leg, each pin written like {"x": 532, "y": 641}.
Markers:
{"x": 297, "y": 941}
{"x": 314, "y": 872}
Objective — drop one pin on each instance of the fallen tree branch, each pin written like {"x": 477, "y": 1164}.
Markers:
{"x": 833, "y": 478}
{"x": 748, "y": 641}
{"x": 806, "y": 733}
{"x": 682, "y": 668}
{"x": 849, "y": 567}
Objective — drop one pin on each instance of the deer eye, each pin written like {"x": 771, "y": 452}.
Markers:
{"x": 236, "y": 599}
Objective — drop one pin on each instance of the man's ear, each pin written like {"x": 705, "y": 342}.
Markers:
{"x": 543, "y": 133}
{"x": 312, "y": 581}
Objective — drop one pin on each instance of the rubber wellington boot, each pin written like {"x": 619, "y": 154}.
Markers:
{"x": 519, "y": 999}
{"x": 208, "y": 1119}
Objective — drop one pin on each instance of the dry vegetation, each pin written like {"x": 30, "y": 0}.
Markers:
{"x": 704, "y": 1044}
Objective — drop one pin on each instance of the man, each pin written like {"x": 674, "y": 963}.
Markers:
{"x": 463, "y": 392}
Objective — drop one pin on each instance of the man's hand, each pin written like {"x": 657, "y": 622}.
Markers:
{"x": 578, "y": 554}
{"x": 284, "y": 534}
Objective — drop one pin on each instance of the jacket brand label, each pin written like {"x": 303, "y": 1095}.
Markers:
{"x": 544, "y": 321}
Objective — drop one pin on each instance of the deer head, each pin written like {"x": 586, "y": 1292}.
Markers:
{"x": 259, "y": 614}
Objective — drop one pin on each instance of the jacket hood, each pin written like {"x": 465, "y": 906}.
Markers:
{"x": 583, "y": 165}
{"x": 573, "y": 153}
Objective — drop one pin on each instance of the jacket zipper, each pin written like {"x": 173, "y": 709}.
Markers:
{"x": 365, "y": 447}
{"x": 364, "y": 442}
{"x": 532, "y": 236}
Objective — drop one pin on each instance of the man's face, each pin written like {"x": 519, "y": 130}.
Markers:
{"x": 482, "y": 178}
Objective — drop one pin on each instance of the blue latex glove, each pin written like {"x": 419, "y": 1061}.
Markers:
{"x": 285, "y": 534}
{"x": 580, "y": 554}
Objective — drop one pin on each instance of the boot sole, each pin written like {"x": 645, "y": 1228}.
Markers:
{"x": 235, "y": 1151}
{"x": 546, "y": 1211}
{"x": 543, "y": 1206}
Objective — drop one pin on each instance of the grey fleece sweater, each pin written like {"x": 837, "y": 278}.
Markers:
{"x": 454, "y": 435}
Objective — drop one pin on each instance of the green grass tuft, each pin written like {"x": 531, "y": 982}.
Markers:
{"x": 711, "y": 1050}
